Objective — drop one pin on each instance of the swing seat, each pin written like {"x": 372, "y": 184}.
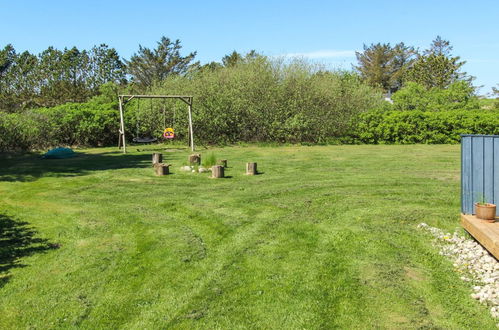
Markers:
{"x": 144, "y": 140}
{"x": 168, "y": 133}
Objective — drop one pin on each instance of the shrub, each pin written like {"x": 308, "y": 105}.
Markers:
{"x": 18, "y": 132}
{"x": 267, "y": 101}
{"x": 82, "y": 124}
{"x": 400, "y": 127}
{"x": 257, "y": 100}
{"x": 72, "y": 124}
{"x": 458, "y": 96}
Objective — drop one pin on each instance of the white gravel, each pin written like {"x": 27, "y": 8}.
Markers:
{"x": 478, "y": 267}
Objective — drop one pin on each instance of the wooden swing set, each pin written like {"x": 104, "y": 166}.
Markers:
{"x": 124, "y": 99}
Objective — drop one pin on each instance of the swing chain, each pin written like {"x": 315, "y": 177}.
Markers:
{"x": 174, "y": 113}
{"x": 164, "y": 113}
{"x": 137, "y": 119}
{"x": 169, "y": 129}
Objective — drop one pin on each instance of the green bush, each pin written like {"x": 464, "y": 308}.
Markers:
{"x": 257, "y": 100}
{"x": 18, "y": 132}
{"x": 82, "y": 124}
{"x": 72, "y": 124}
{"x": 444, "y": 127}
{"x": 267, "y": 101}
{"x": 458, "y": 96}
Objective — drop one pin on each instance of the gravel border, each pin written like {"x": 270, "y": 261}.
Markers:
{"x": 479, "y": 268}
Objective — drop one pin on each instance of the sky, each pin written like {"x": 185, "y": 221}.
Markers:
{"x": 327, "y": 32}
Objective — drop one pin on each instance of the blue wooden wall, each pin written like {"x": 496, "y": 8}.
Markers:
{"x": 479, "y": 170}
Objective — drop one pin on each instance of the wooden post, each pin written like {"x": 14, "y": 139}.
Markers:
{"x": 122, "y": 126}
{"x": 157, "y": 158}
{"x": 223, "y": 162}
{"x": 217, "y": 171}
{"x": 161, "y": 169}
{"x": 195, "y": 159}
{"x": 191, "y": 133}
{"x": 251, "y": 169}
{"x": 119, "y": 130}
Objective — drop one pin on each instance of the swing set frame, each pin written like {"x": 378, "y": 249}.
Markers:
{"x": 124, "y": 99}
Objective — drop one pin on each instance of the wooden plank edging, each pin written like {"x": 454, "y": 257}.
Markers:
{"x": 487, "y": 234}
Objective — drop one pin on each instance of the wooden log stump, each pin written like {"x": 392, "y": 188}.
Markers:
{"x": 251, "y": 169}
{"x": 157, "y": 158}
{"x": 222, "y": 162}
{"x": 195, "y": 159}
{"x": 217, "y": 171}
{"x": 162, "y": 169}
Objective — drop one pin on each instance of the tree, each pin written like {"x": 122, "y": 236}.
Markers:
{"x": 439, "y": 46}
{"x": 457, "y": 96}
{"x": 54, "y": 77}
{"x": 105, "y": 67}
{"x": 382, "y": 65}
{"x": 235, "y": 58}
{"x": 437, "y": 67}
{"x": 232, "y": 59}
{"x": 148, "y": 66}
{"x": 75, "y": 66}
{"x": 404, "y": 57}
{"x": 50, "y": 73}
{"x": 211, "y": 66}
{"x": 7, "y": 58}
{"x": 63, "y": 76}
{"x": 24, "y": 80}
{"x": 495, "y": 92}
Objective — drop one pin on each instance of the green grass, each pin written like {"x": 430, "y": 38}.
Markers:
{"x": 324, "y": 238}
{"x": 209, "y": 160}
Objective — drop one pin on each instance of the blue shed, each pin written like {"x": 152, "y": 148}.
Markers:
{"x": 479, "y": 170}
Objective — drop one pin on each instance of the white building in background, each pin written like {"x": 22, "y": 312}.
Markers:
{"x": 388, "y": 97}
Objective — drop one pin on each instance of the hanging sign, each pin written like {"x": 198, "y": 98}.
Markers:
{"x": 168, "y": 133}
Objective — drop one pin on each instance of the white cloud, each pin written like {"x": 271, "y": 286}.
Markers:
{"x": 322, "y": 54}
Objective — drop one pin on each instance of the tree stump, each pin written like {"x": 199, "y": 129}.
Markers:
{"x": 251, "y": 169}
{"x": 157, "y": 158}
{"x": 217, "y": 171}
{"x": 223, "y": 162}
{"x": 162, "y": 169}
{"x": 195, "y": 159}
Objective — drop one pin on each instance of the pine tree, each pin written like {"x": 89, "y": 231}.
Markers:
{"x": 382, "y": 65}
{"x": 437, "y": 67}
{"x": 151, "y": 65}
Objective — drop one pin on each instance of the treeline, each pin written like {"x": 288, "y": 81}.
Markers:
{"x": 428, "y": 127}
{"x": 433, "y": 100}
{"x": 68, "y": 97}
{"x": 253, "y": 100}
{"x": 55, "y": 76}
{"x": 263, "y": 100}
{"x": 392, "y": 67}
{"x": 93, "y": 123}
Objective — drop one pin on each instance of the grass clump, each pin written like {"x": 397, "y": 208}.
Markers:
{"x": 209, "y": 160}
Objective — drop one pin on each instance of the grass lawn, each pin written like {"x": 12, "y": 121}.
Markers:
{"x": 325, "y": 238}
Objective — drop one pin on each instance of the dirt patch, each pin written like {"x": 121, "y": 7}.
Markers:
{"x": 414, "y": 274}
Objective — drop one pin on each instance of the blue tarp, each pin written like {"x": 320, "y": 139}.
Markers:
{"x": 59, "y": 153}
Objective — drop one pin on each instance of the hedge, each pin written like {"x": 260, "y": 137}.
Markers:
{"x": 405, "y": 127}
{"x": 74, "y": 124}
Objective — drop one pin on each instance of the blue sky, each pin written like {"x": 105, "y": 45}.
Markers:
{"x": 325, "y": 31}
